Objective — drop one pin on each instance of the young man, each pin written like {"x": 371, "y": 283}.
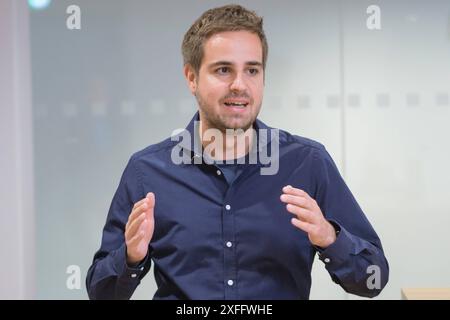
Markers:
{"x": 248, "y": 228}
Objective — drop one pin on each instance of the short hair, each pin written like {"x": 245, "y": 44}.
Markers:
{"x": 216, "y": 20}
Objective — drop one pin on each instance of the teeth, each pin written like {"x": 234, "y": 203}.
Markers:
{"x": 236, "y": 104}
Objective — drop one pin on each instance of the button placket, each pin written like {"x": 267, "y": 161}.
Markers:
{"x": 228, "y": 246}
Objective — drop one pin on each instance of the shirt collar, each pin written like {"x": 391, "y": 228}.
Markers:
{"x": 263, "y": 137}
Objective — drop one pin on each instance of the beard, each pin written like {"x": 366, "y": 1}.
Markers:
{"x": 221, "y": 121}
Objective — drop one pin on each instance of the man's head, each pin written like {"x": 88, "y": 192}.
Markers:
{"x": 225, "y": 54}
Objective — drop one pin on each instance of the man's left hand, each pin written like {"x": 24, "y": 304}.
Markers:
{"x": 308, "y": 217}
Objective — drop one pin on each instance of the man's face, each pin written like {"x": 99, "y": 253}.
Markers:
{"x": 229, "y": 85}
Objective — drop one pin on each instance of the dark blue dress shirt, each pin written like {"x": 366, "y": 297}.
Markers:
{"x": 213, "y": 240}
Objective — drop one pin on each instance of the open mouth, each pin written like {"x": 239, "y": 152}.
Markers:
{"x": 240, "y": 105}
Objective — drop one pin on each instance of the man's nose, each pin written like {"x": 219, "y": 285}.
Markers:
{"x": 238, "y": 83}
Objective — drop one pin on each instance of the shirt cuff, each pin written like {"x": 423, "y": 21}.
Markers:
{"x": 122, "y": 268}
{"x": 338, "y": 252}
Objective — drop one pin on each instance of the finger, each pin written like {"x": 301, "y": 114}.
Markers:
{"x": 151, "y": 201}
{"x": 138, "y": 210}
{"x": 136, "y": 238}
{"x": 140, "y": 202}
{"x": 295, "y": 191}
{"x": 302, "y": 214}
{"x": 148, "y": 201}
{"x": 302, "y": 225}
{"x": 310, "y": 202}
{"x": 134, "y": 226}
{"x": 143, "y": 207}
{"x": 296, "y": 200}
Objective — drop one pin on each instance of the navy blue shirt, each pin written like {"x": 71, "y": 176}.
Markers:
{"x": 215, "y": 240}
{"x": 230, "y": 171}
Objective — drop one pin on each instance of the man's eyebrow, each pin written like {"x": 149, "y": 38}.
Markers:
{"x": 254, "y": 63}
{"x": 220, "y": 63}
{"x": 228, "y": 63}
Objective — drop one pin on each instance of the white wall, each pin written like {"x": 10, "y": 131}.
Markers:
{"x": 17, "y": 270}
{"x": 397, "y": 155}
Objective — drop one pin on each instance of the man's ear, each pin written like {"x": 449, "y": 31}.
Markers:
{"x": 191, "y": 78}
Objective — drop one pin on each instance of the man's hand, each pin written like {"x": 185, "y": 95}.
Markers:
{"x": 139, "y": 229}
{"x": 309, "y": 217}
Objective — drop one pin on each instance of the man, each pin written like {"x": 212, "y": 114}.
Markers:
{"x": 215, "y": 224}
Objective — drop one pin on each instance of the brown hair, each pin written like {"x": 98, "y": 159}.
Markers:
{"x": 226, "y": 18}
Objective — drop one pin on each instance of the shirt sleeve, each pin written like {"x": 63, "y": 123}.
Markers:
{"x": 356, "y": 260}
{"x": 109, "y": 276}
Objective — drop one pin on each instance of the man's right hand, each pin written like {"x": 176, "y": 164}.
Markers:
{"x": 139, "y": 229}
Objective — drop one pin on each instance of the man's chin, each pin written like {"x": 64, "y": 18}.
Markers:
{"x": 238, "y": 125}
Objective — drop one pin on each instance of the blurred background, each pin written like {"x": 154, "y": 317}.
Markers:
{"x": 76, "y": 103}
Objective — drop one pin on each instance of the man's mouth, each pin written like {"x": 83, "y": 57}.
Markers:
{"x": 236, "y": 104}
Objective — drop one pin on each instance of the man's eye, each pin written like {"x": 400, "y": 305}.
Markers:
{"x": 253, "y": 71}
{"x": 223, "y": 70}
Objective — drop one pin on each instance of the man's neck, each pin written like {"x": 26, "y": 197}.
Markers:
{"x": 225, "y": 144}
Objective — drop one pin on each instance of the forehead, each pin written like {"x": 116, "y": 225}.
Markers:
{"x": 233, "y": 46}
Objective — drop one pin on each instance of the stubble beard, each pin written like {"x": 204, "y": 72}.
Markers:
{"x": 213, "y": 121}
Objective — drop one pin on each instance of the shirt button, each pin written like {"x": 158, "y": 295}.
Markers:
{"x": 219, "y": 173}
{"x": 142, "y": 268}
{"x": 327, "y": 260}
{"x": 228, "y": 207}
{"x": 229, "y": 244}
{"x": 133, "y": 275}
{"x": 230, "y": 282}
